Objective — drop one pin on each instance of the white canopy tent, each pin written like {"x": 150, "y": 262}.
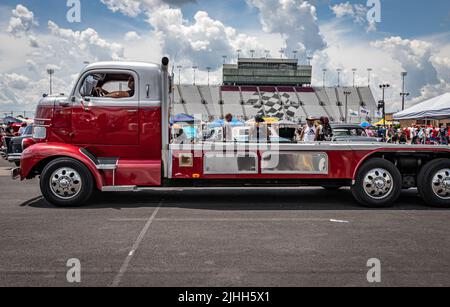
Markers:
{"x": 435, "y": 108}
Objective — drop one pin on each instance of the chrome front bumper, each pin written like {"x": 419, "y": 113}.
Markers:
{"x": 15, "y": 173}
{"x": 14, "y": 157}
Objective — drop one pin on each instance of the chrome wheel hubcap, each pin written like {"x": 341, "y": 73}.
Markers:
{"x": 441, "y": 184}
{"x": 378, "y": 183}
{"x": 65, "y": 183}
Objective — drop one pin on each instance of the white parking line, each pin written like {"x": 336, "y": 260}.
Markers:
{"x": 232, "y": 220}
{"x": 339, "y": 221}
{"x": 5, "y": 171}
{"x": 135, "y": 247}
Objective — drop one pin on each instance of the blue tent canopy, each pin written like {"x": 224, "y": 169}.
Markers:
{"x": 181, "y": 118}
{"x": 221, "y": 123}
{"x": 366, "y": 125}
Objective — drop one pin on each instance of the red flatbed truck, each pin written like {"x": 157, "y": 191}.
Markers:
{"x": 89, "y": 142}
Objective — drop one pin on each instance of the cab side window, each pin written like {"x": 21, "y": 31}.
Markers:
{"x": 109, "y": 85}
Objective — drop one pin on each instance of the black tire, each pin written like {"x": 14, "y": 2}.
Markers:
{"x": 425, "y": 183}
{"x": 332, "y": 187}
{"x": 393, "y": 184}
{"x": 84, "y": 180}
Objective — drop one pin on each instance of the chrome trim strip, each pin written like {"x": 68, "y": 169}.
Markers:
{"x": 119, "y": 189}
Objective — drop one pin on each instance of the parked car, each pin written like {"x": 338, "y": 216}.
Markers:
{"x": 16, "y": 123}
{"x": 15, "y": 146}
{"x": 351, "y": 133}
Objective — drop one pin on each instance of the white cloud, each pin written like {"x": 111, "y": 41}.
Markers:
{"x": 131, "y": 8}
{"x": 16, "y": 81}
{"x": 24, "y": 81}
{"x": 295, "y": 20}
{"x": 21, "y": 21}
{"x": 414, "y": 57}
{"x": 356, "y": 12}
{"x": 132, "y": 36}
{"x": 88, "y": 41}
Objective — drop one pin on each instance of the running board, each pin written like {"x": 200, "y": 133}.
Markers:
{"x": 182, "y": 189}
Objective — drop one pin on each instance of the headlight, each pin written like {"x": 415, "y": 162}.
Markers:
{"x": 27, "y": 143}
{"x": 39, "y": 133}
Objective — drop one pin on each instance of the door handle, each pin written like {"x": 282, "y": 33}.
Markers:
{"x": 64, "y": 104}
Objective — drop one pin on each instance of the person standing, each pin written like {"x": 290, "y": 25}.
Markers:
{"x": 228, "y": 128}
{"x": 22, "y": 128}
{"x": 310, "y": 132}
{"x": 325, "y": 131}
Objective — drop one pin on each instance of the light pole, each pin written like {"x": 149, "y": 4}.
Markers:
{"x": 267, "y": 52}
{"x": 253, "y": 53}
{"x": 209, "y": 70}
{"x": 339, "y": 76}
{"x": 403, "y": 94}
{"x": 194, "y": 68}
{"x": 354, "y": 75}
{"x": 179, "y": 74}
{"x": 346, "y": 93}
{"x": 295, "y": 54}
{"x": 224, "y": 59}
{"x": 281, "y": 53}
{"x": 369, "y": 70}
{"x": 382, "y": 103}
{"x": 309, "y": 60}
{"x": 239, "y": 53}
{"x": 50, "y": 73}
{"x": 324, "y": 76}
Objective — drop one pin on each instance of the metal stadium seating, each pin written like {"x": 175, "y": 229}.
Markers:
{"x": 295, "y": 104}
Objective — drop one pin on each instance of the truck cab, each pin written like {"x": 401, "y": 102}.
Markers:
{"x": 113, "y": 133}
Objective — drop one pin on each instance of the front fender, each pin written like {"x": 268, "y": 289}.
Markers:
{"x": 37, "y": 153}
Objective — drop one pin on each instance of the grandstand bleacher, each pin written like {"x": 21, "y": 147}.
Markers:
{"x": 283, "y": 102}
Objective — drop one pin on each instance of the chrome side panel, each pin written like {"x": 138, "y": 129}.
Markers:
{"x": 308, "y": 163}
{"x": 215, "y": 163}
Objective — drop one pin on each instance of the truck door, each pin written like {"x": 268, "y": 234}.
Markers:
{"x": 106, "y": 109}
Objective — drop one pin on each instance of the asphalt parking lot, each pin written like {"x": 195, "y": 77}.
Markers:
{"x": 307, "y": 237}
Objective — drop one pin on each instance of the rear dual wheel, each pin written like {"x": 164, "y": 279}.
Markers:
{"x": 378, "y": 184}
{"x": 434, "y": 183}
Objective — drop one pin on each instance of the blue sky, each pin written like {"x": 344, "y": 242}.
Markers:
{"x": 412, "y": 18}
{"x": 413, "y": 36}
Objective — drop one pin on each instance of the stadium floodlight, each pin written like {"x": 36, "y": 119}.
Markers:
{"x": 309, "y": 60}
{"x": 179, "y": 74}
{"x": 50, "y": 72}
{"x": 209, "y": 70}
{"x": 224, "y": 59}
{"x": 281, "y": 52}
{"x": 383, "y": 87}
{"x": 194, "y": 68}
{"x": 239, "y": 53}
{"x": 295, "y": 54}
{"x": 369, "y": 71}
{"x": 324, "y": 75}
{"x": 403, "y": 94}
{"x": 354, "y": 75}
{"x": 339, "y": 70}
{"x": 267, "y": 52}
{"x": 253, "y": 53}
{"x": 346, "y": 93}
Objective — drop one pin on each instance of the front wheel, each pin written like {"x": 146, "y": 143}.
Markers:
{"x": 66, "y": 182}
{"x": 378, "y": 184}
{"x": 434, "y": 183}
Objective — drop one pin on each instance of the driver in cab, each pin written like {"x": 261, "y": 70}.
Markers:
{"x": 118, "y": 94}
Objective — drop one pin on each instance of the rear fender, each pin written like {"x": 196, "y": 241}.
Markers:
{"x": 33, "y": 156}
